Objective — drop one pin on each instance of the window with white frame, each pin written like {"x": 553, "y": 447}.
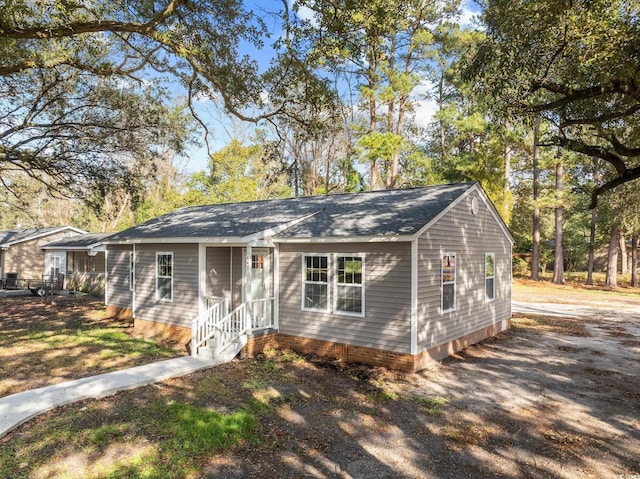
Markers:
{"x": 448, "y": 282}
{"x": 315, "y": 282}
{"x": 164, "y": 276}
{"x": 349, "y": 285}
{"x": 490, "y": 276}
{"x": 132, "y": 268}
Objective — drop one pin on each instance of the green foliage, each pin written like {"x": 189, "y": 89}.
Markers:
{"x": 573, "y": 62}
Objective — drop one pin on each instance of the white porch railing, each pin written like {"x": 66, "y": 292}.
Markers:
{"x": 226, "y": 329}
{"x": 203, "y": 326}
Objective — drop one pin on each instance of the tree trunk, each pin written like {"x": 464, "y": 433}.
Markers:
{"x": 535, "y": 256}
{"x": 634, "y": 261}
{"x": 592, "y": 233}
{"x": 611, "y": 280}
{"x": 558, "y": 262}
{"x": 624, "y": 265}
{"x": 508, "y": 155}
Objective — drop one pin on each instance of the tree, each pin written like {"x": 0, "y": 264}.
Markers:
{"x": 80, "y": 82}
{"x": 386, "y": 45}
{"x": 535, "y": 257}
{"x": 240, "y": 172}
{"x": 77, "y": 134}
{"x": 576, "y": 64}
{"x": 558, "y": 262}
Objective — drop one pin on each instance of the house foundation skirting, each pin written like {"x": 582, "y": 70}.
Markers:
{"x": 181, "y": 336}
{"x": 371, "y": 356}
{"x": 174, "y": 336}
{"x": 119, "y": 312}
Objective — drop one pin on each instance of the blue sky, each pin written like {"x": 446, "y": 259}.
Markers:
{"x": 223, "y": 128}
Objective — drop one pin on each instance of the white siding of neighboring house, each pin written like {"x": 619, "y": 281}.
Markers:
{"x": 386, "y": 324}
{"x": 469, "y": 236}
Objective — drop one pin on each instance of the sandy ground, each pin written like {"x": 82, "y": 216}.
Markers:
{"x": 555, "y": 397}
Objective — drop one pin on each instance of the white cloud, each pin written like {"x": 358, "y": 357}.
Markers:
{"x": 425, "y": 108}
{"x": 469, "y": 14}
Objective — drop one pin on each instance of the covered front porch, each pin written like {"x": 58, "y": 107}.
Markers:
{"x": 237, "y": 298}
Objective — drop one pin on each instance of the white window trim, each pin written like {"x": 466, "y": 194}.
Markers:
{"x": 454, "y": 282}
{"x": 305, "y": 282}
{"x": 167, "y": 253}
{"x": 132, "y": 270}
{"x": 335, "y": 284}
{"x": 486, "y": 297}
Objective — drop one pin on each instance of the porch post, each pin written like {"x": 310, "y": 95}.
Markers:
{"x": 248, "y": 282}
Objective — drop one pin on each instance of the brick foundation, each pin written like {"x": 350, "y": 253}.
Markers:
{"x": 371, "y": 356}
{"x": 174, "y": 336}
{"x": 180, "y": 337}
{"x": 119, "y": 313}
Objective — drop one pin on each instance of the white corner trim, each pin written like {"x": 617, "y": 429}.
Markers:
{"x": 414, "y": 297}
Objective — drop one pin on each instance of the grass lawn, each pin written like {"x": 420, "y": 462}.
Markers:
{"x": 43, "y": 343}
{"x": 528, "y": 402}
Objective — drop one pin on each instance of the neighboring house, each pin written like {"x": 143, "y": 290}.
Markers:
{"x": 397, "y": 278}
{"x": 21, "y": 252}
{"x": 84, "y": 259}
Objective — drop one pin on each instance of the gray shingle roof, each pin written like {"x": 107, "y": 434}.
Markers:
{"x": 17, "y": 236}
{"x": 374, "y": 213}
{"x": 78, "y": 241}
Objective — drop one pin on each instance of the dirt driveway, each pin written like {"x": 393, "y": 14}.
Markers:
{"x": 554, "y": 397}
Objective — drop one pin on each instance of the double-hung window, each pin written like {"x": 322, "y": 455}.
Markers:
{"x": 490, "y": 276}
{"x": 349, "y": 291}
{"x": 448, "y": 282}
{"x": 164, "y": 276}
{"x": 315, "y": 282}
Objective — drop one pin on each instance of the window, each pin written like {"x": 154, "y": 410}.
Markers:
{"x": 349, "y": 285}
{"x": 132, "y": 268}
{"x": 315, "y": 282}
{"x": 490, "y": 276}
{"x": 448, "y": 282}
{"x": 164, "y": 276}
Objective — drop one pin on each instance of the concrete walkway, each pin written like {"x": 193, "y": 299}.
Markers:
{"x": 19, "y": 408}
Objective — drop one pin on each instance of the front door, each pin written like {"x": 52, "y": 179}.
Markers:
{"x": 260, "y": 274}
{"x": 260, "y": 288}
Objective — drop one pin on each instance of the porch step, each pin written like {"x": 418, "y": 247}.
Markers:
{"x": 231, "y": 351}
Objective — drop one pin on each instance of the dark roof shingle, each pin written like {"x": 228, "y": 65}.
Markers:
{"x": 374, "y": 213}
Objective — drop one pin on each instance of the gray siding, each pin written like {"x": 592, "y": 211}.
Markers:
{"x": 386, "y": 324}
{"x": 117, "y": 291}
{"x": 470, "y": 236}
{"x": 236, "y": 274}
{"x": 219, "y": 272}
{"x": 184, "y": 306}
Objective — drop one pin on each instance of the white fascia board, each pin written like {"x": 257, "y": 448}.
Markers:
{"x": 445, "y": 211}
{"x": 226, "y": 240}
{"x": 496, "y": 216}
{"x": 347, "y": 239}
{"x": 487, "y": 202}
{"x": 94, "y": 247}
{"x": 41, "y": 235}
